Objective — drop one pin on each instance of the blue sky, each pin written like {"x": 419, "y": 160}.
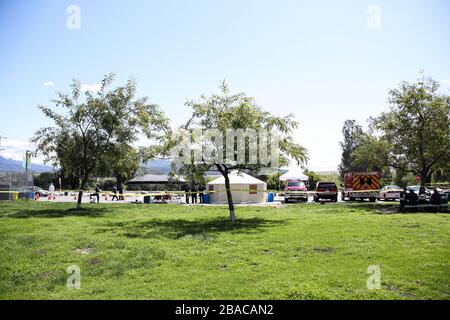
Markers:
{"x": 320, "y": 60}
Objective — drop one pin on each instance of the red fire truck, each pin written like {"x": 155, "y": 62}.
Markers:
{"x": 361, "y": 185}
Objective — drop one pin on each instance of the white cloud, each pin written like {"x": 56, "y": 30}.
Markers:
{"x": 15, "y": 149}
{"x": 446, "y": 81}
{"x": 373, "y": 21}
{"x": 93, "y": 88}
{"x": 48, "y": 84}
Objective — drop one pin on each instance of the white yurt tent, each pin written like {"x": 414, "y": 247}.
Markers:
{"x": 245, "y": 189}
{"x": 294, "y": 173}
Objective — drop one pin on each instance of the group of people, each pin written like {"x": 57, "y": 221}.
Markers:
{"x": 410, "y": 197}
{"x": 114, "y": 192}
{"x": 194, "y": 192}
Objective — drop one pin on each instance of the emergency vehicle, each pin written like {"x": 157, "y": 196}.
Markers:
{"x": 361, "y": 185}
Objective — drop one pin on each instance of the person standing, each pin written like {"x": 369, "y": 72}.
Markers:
{"x": 114, "y": 194}
{"x": 403, "y": 198}
{"x": 194, "y": 194}
{"x": 121, "y": 192}
{"x": 201, "y": 190}
{"x": 186, "y": 192}
{"x": 96, "y": 194}
{"x": 51, "y": 192}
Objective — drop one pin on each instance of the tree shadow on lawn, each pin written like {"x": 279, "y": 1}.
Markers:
{"x": 201, "y": 229}
{"x": 379, "y": 208}
{"x": 59, "y": 213}
{"x": 375, "y": 208}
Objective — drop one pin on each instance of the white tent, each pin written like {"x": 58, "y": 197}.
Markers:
{"x": 294, "y": 173}
{"x": 244, "y": 189}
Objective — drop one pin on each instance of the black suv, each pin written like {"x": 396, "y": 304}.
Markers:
{"x": 326, "y": 190}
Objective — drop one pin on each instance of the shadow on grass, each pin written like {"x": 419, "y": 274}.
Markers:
{"x": 376, "y": 208}
{"x": 59, "y": 213}
{"x": 201, "y": 229}
{"x": 393, "y": 208}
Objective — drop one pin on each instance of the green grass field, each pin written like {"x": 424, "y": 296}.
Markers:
{"x": 180, "y": 252}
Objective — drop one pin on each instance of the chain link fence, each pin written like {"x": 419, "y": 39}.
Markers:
{"x": 14, "y": 181}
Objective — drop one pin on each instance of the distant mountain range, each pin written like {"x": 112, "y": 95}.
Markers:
{"x": 163, "y": 166}
{"x": 17, "y": 166}
{"x": 156, "y": 166}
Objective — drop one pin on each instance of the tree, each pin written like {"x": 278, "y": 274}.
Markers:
{"x": 88, "y": 137}
{"x": 372, "y": 152}
{"x": 441, "y": 175}
{"x": 403, "y": 179}
{"x": 224, "y": 111}
{"x": 313, "y": 178}
{"x": 44, "y": 179}
{"x": 417, "y": 128}
{"x": 273, "y": 181}
{"x": 353, "y": 134}
{"x": 122, "y": 163}
{"x": 193, "y": 174}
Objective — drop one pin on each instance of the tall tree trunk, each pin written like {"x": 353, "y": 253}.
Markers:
{"x": 229, "y": 196}
{"x": 424, "y": 176}
{"x": 80, "y": 192}
{"x": 80, "y": 197}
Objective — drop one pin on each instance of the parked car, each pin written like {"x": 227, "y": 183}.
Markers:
{"x": 326, "y": 190}
{"x": 390, "y": 193}
{"x": 38, "y": 191}
{"x": 295, "y": 190}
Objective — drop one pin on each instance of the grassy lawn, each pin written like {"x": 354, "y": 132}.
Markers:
{"x": 179, "y": 252}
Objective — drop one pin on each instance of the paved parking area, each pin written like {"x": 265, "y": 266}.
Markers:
{"x": 140, "y": 198}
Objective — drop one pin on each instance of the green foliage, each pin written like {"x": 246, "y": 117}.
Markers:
{"x": 417, "y": 128}
{"x": 194, "y": 175}
{"x": 273, "y": 181}
{"x": 334, "y": 177}
{"x": 237, "y": 111}
{"x": 403, "y": 179}
{"x": 372, "y": 152}
{"x": 412, "y": 137}
{"x": 123, "y": 162}
{"x": 106, "y": 184}
{"x": 225, "y": 111}
{"x": 93, "y": 134}
{"x": 313, "y": 179}
{"x": 441, "y": 174}
{"x": 43, "y": 180}
{"x": 353, "y": 134}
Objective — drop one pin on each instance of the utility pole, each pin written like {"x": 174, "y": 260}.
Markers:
{"x": 27, "y": 159}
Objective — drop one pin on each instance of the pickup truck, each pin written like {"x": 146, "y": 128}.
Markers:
{"x": 295, "y": 190}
